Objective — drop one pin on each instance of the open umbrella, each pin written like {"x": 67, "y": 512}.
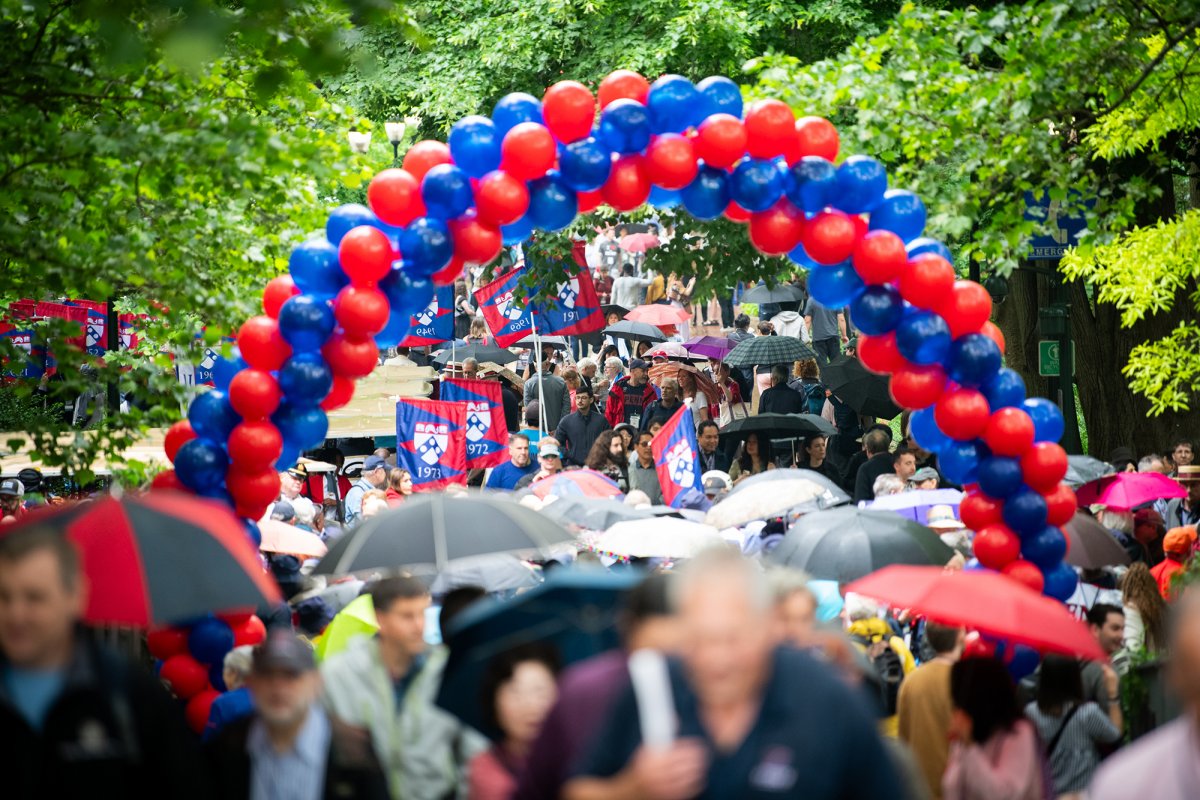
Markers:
{"x": 613, "y": 308}
{"x": 1125, "y": 491}
{"x": 1081, "y": 469}
{"x": 555, "y": 342}
{"x": 355, "y": 620}
{"x": 479, "y": 352}
{"x": 985, "y": 601}
{"x": 673, "y": 369}
{"x": 639, "y": 242}
{"x": 429, "y": 531}
{"x": 635, "y": 331}
{"x": 846, "y": 543}
{"x": 593, "y": 513}
{"x": 661, "y": 537}
{"x": 159, "y": 558}
{"x": 574, "y": 611}
{"x": 279, "y": 537}
{"x": 1091, "y": 545}
{"x": 784, "y": 293}
{"x": 862, "y": 390}
{"x": 673, "y": 351}
{"x": 764, "y": 350}
{"x": 494, "y": 572}
{"x": 576, "y": 483}
{"x": 710, "y": 346}
{"x": 779, "y": 426}
{"x": 915, "y": 505}
{"x": 769, "y": 499}
{"x": 834, "y": 494}
{"x": 658, "y": 315}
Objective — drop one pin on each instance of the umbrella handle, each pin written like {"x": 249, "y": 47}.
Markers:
{"x": 652, "y": 688}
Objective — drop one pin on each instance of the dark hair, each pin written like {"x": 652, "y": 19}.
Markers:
{"x": 902, "y": 451}
{"x": 548, "y": 367}
{"x": 942, "y": 638}
{"x": 1098, "y": 614}
{"x": 500, "y": 670}
{"x": 876, "y": 442}
{"x": 455, "y": 602}
{"x": 764, "y": 445}
{"x": 638, "y": 439}
{"x": 599, "y": 456}
{"x": 627, "y": 269}
{"x": 584, "y": 389}
{"x": 533, "y": 414}
{"x": 983, "y": 689}
{"x": 20, "y": 544}
{"x": 741, "y": 321}
{"x": 879, "y": 426}
{"x": 512, "y": 437}
{"x": 1060, "y": 683}
{"x": 766, "y": 328}
{"x": 708, "y": 423}
{"x": 779, "y": 374}
{"x": 650, "y": 598}
{"x": 1185, "y": 441}
{"x": 403, "y": 587}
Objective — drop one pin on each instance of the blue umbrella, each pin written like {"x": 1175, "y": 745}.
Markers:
{"x": 829, "y": 599}
{"x": 575, "y": 611}
{"x": 915, "y": 504}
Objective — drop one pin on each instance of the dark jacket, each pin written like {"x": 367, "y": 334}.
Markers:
{"x": 720, "y": 460}
{"x": 113, "y": 732}
{"x": 614, "y": 407}
{"x": 864, "y": 484}
{"x": 657, "y": 410}
{"x": 782, "y": 400}
{"x": 512, "y": 407}
{"x": 351, "y": 770}
{"x": 577, "y": 433}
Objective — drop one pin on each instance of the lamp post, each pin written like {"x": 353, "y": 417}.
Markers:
{"x": 395, "y": 134}
{"x": 360, "y": 142}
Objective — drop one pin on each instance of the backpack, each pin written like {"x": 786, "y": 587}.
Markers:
{"x": 814, "y": 394}
{"x": 889, "y": 670}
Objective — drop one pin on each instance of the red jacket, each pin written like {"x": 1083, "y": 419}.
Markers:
{"x": 614, "y": 407}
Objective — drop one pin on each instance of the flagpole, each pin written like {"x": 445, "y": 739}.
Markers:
{"x": 537, "y": 351}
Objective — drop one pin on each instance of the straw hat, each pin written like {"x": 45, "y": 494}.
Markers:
{"x": 1188, "y": 473}
{"x": 942, "y": 518}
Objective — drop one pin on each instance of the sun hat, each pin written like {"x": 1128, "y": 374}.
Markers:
{"x": 942, "y": 517}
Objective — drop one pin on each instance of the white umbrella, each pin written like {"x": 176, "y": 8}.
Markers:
{"x": 279, "y": 537}
{"x": 662, "y": 537}
{"x": 763, "y": 500}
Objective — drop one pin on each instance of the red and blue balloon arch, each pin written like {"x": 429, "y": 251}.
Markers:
{"x": 536, "y": 165}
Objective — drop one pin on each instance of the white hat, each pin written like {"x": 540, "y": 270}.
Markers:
{"x": 943, "y": 518}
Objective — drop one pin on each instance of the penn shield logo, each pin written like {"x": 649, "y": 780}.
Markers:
{"x": 95, "y": 335}
{"x": 427, "y": 316}
{"x": 680, "y": 461}
{"x": 479, "y": 421}
{"x": 508, "y": 306}
{"x": 430, "y": 440}
{"x": 568, "y": 293}
{"x": 209, "y": 360}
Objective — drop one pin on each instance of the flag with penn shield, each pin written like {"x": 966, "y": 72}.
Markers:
{"x": 431, "y": 442}
{"x": 510, "y": 310}
{"x": 677, "y": 457}
{"x": 434, "y": 323}
{"x": 486, "y": 429}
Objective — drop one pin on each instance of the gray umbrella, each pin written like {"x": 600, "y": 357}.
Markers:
{"x": 593, "y": 513}
{"x": 836, "y": 493}
{"x": 1081, "y": 469}
{"x": 1092, "y": 546}
{"x": 635, "y": 331}
{"x": 786, "y": 293}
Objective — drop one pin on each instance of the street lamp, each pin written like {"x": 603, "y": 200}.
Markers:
{"x": 395, "y": 134}
{"x": 359, "y": 142}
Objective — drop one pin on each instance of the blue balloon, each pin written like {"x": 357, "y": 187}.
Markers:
{"x": 218, "y": 493}
{"x": 926, "y": 245}
{"x": 1060, "y": 582}
{"x": 1025, "y": 511}
{"x": 212, "y": 416}
{"x": 446, "y": 190}
{"x": 673, "y": 104}
{"x": 201, "y": 464}
{"x": 552, "y": 204}
{"x": 344, "y": 219}
{"x": 216, "y": 676}
{"x": 225, "y": 368}
{"x": 426, "y": 246}
{"x": 316, "y": 270}
{"x": 517, "y": 232}
{"x": 1048, "y": 423}
{"x": 800, "y": 257}
{"x": 305, "y": 379}
{"x": 289, "y": 455}
{"x": 756, "y": 184}
{"x": 877, "y": 309}
{"x": 663, "y": 198}
{"x": 925, "y": 431}
{"x": 513, "y": 109}
{"x": 302, "y": 426}
{"x": 1000, "y": 476}
{"x": 306, "y": 322}
{"x": 625, "y": 126}
{"x": 835, "y": 287}
{"x": 812, "y": 183}
{"x": 475, "y": 145}
{"x": 719, "y": 95}
{"x": 1045, "y": 548}
{"x": 1023, "y": 662}
{"x": 959, "y": 461}
{"x": 861, "y": 182}
{"x": 585, "y": 164}
{"x": 923, "y": 337}
{"x": 252, "y": 532}
{"x": 707, "y": 196}
{"x": 407, "y": 295}
{"x": 1005, "y": 389}
{"x": 209, "y": 640}
{"x": 900, "y": 212}
{"x": 974, "y": 360}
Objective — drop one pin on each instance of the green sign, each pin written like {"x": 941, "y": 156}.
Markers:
{"x": 1049, "y": 362}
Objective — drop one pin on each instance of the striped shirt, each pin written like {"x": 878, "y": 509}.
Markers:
{"x": 1075, "y": 757}
{"x": 295, "y": 774}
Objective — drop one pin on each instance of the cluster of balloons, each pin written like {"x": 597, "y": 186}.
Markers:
{"x": 191, "y": 657}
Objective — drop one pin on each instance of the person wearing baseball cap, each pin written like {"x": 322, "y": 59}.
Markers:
{"x": 12, "y": 506}
{"x": 924, "y": 478}
{"x": 1178, "y": 545}
{"x": 549, "y": 457}
{"x": 374, "y": 476}
{"x": 1185, "y": 510}
{"x": 629, "y": 396}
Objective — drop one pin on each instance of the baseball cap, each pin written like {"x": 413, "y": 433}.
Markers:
{"x": 924, "y": 474}
{"x": 12, "y": 487}
{"x": 283, "y": 510}
{"x": 283, "y": 651}
{"x": 716, "y": 481}
{"x": 549, "y": 450}
{"x": 1179, "y": 540}
{"x": 639, "y": 363}
{"x": 373, "y": 463}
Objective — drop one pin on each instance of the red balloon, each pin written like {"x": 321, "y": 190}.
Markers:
{"x": 255, "y": 444}
{"x": 262, "y": 346}
{"x": 449, "y": 273}
{"x": 569, "y": 110}
{"x": 965, "y": 308}
{"x": 880, "y": 353}
{"x": 1024, "y": 572}
{"x": 422, "y": 157}
{"x": 500, "y": 198}
{"x": 185, "y": 676}
{"x": 366, "y": 255}
{"x": 198, "y": 709}
{"x": 253, "y": 489}
{"x": 927, "y": 281}
{"x": 1009, "y": 432}
{"x": 177, "y": 434}
{"x": 169, "y": 481}
{"x": 395, "y": 196}
{"x": 736, "y": 213}
{"x": 770, "y": 128}
{"x": 254, "y": 393}
{"x": 880, "y": 257}
{"x": 276, "y": 293}
{"x": 1044, "y": 465}
{"x": 671, "y": 161}
{"x": 589, "y": 201}
{"x": 818, "y": 137}
{"x": 993, "y": 332}
{"x": 1061, "y": 505}
{"x": 623, "y": 84}
{"x": 362, "y": 310}
{"x": 720, "y": 140}
{"x": 339, "y": 394}
{"x": 628, "y": 184}
{"x": 979, "y": 511}
{"x": 350, "y": 356}
{"x": 996, "y": 546}
{"x": 475, "y": 242}
{"x": 961, "y": 413}
{"x": 166, "y": 642}
{"x": 235, "y": 618}
{"x": 917, "y": 386}
{"x": 528, "y": 151}
{"x": 252, "y": 631}
{"x": 777, "y": 230}
{"x": 830, "y": 237}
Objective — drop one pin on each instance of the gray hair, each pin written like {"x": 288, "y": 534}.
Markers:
{"x": 1147, "y": 463}
{"x": 305, "y": 513}
{"x": 888, "y": 483}
{"x": 584, "y": 363}
{"x": 613, "y": 361}
{"x": 239, "y": 660}
{"x": 786, "y": 581}
{"x": 470, "y": 362}
{"x": 859, "y": 607}
{"x": 720, "y": 563}
{"x": 1116, "y": 520}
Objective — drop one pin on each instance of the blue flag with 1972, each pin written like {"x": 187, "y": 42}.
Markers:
{"x": 677, "y": 457}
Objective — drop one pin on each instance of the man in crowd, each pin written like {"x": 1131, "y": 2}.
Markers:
{"x": 751, "y": 717}
{"x": 12, "y": 506}
{"x": 374, "y": 475}
{"x": 235, "y": 703}
{"x": 603, "y": 281}
{"x": 290, "y": 747}
{"x": 780, "y": 398}
{"x": 610, "y": 253}
{"x": 628, "y": 291}
{"x": 555, "y": 397}
{"x": 76, "y": 721}
{"x": 629, "y": 396}
{"x": 1182, "y": 454}
{"x": 549, "y": 456}
{"x": 1178, "y": 545}
{"x": 1185, "y": 510}
{"x": 1154, "y": 463}
{"x": 664, "y": 408}
{"x": 642, "y": 473}
{"x": 1107, "y": 624}
{"x": 795, "y": 605}
{"x": 387, "y": 684}
{"x": 879, "y": 461}
{"x": 741, "y": 329}
{"x": 291, "y": 484}
{"x": 518, "y": 465}
{"x": 828, "y": 330}
{"x": 904, "y": 462}
{"x": 470, "y": 368}
{"x": 708, "y": 437}
{"x": 578, "y": 430}
{"x": 925, "y": 707}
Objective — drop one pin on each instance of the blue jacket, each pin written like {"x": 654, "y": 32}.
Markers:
{"x": 228, "y": 708}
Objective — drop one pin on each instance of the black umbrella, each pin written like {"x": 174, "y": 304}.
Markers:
{"x": 779, "y": 426}
{"x": 479, "y": 352}
{"x": 1084, "y": 469}
{"x": 859, "y": 388}
{"x": 785, "y": 293}
{"x": 635, "y": 331}
{"x": 434, "y": 529}
{"x": 613, "y": 308}
{"x": 846, "y": 543}
{"x": 769, "y": 350}
{"x": 593, "y": 513}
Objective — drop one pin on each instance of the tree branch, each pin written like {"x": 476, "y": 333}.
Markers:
{"x": 1148, "y": 70}
{"x": 50, "y": 17}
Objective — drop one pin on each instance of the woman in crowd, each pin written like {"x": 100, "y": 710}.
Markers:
{"x": 614, "y": 368}
{"x": 1145, "y": 611}
{"x": 464, "y": 312}
{"x": 807, "y": 381}
{"x": 812, "y": 456}
{"x": 610, "y": 458}
{"x": 479, "y": 332}
{"x": 731, "y": 392}
{"x": 693, "y": 398}
{"x": 570, "y": 376}
{"x": 399, "y": 486}
{"x": 753, "y": 459}
{"x": 628, "y": 435}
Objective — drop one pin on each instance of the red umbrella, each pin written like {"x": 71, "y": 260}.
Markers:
{"x": 1125, "y": 491}
{"x": 639, "y": 242}
{"x": 985, "y": 601}
{"x": 577, "y": 483}
{"x": 658, "y": 315}
{"x": 161, "y": 558}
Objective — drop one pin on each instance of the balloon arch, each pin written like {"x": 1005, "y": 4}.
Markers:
{"x": 536, "y": 165}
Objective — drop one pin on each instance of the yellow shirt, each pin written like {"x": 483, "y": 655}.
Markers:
{"x": 924, "y": 710}
{"x": 656, "y": 290}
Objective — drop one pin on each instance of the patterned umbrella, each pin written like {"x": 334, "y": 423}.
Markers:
{"x": 576, "y": 483}
{"x": 710, "y": 346}
{"x": 672, "y": 369}
{"x": 769, "y": 350}
{"x": 658, "y": 315}
{"x": 674, "y": 351}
